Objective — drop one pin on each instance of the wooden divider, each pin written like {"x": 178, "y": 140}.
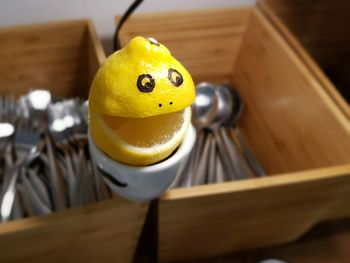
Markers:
{"x": 318, "y": 32}
{"x": 63, "y": 57}
{"x": 205, "y": 42}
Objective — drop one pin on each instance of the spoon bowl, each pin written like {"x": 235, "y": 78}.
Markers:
{"x": 205, "y": 106}
{"x": 224, "y": 107}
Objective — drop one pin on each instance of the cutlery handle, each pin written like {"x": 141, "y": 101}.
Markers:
{"x": 59, "y": 199}
{"x": 38, "y": 207}
{"x": 253, "y": 162}
{"x": 39, "y": 187}
{"x": 200, "y": 172}
{"x": 236, "y": 154}
{"x": 81, "y": 176}
{"x": 186, "y": 179}
{"x": 219, "y": 172}
{"x": 73, "y": 192}
{"x": 212, "y": 163}
{"x": 228, "y": 166}
{"x": 9, "y": 194}
{"x": 232, "y": 153}
{"x": 17, "y": 210}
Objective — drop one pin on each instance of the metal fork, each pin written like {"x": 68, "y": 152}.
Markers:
{"x": 26, "y": 145}
{"x": 79, "y": 138}
{"x": 60, "y": 135}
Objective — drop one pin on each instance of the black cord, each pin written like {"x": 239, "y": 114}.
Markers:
{"x": 126, "y": 15}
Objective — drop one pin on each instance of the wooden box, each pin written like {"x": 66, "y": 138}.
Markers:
{"x": 63, "y": 57}
{"x": 318, "y": 32}
{"x": 294, "y": 127}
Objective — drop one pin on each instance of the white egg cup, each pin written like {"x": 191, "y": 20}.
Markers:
{"x": 142, "y": 183}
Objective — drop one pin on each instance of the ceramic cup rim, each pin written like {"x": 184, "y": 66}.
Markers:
{"x": 184, "y": 148}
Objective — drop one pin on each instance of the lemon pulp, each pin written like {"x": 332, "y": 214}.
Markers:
{"x": 146, "y": 132}
{"x": 139, "y": 141}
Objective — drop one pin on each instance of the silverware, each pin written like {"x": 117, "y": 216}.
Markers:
{"x": 78, "y": 132}
{"x": 219, "y": 172}
{"x": 58, "y": 130}
{"x": 215, "y": 109}
{"x": 37, "y": 102}
{"x": 25, "y": 143}
{"x": 7, "y": 129}
{"x": 224, "y": 112}
{"x": 17, "y": 210}
{"x": 235, "y": 114}
{"x": 37, "y": 205}
{"x": 101, "y": 190}
{"x": 209, "y": 114}
{"x": 201, "y": 172}
{"x": 40, "y": 187}
{"x": 63, "y": 170}
{"x": 211, "y": 176}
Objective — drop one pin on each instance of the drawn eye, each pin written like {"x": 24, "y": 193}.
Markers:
{"x": 145, "y": 83}
{"x": 153, "y": 41}
{"x": 175, "y": 77}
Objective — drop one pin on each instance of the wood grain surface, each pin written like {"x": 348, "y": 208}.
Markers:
{"x": 54, "y": 56}
{"x": 222, "y": 218}
{"x": 107, "y": 231}
{"x": 63, "y": 57}
{"x": 290, "y": 122}
{"x": 326, "y": 243}
{"x": 292, "y": 125}
{"x": 318, "y": 31}
{"x": 205, "y": 42}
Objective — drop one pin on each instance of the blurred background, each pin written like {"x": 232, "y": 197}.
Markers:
{"x": 16, "y": 12}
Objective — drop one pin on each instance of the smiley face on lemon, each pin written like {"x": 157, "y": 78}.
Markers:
{"x": 139, "y": 103}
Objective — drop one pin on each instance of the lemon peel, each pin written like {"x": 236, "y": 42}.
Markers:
{"x": 132, "y": 88}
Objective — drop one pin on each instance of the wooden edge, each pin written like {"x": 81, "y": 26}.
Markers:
{"x": 307, "y": 72}
{"x": 259, "y": 183}
{"x": 308, "y": 61}
{"x": 43, "y": 25}
{"x": 61, "y": 216}
{"x": 96, "y": 43}
{"x": 203, "y": 11}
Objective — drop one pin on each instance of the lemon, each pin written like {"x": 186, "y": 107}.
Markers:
{"x": 139, "y": 103}
{"x": 141, "y": 80}
{"x": 140, "y": 141}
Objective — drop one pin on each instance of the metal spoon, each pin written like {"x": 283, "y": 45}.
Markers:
{"x": 225, "y": 105}
{"x": 210, "y": 113}
{"x": 205, "y": 105}
{"x": 236, "y": 113}
{"x": 203, "y": 110}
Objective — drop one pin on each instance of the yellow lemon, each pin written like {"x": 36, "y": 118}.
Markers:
{"x": 139, "y": 103}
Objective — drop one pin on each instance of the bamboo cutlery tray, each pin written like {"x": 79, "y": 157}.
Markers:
{"x": 63, "y": 57}
{"x": 292, "y": 123}
{"x": 294, "y": 127}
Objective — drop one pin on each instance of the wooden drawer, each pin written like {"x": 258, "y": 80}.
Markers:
{"x": 295, "y": 129}
{"x": 63, "y": 57}
{"x": 318, "y": 32}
